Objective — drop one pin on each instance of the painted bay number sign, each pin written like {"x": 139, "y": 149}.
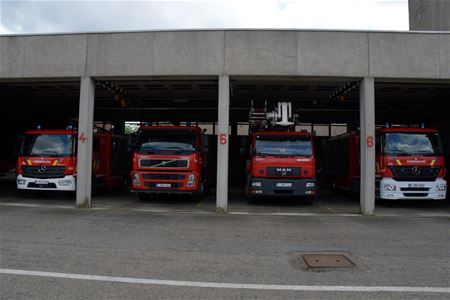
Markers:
{"x": 223, "y": 138}
{"x": 369, "y": 141}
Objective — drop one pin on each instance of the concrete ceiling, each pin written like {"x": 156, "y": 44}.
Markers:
{"x": 318, "y": 100}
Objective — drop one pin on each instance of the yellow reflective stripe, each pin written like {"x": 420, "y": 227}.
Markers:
{"x": 398, "y": 162}
{"x": 29, "y": 162}
{"x": 433, "y": 162}
{"x": 55, "y": 162}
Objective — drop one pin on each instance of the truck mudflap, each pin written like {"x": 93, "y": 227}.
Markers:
{"x": 257, "y": 187}
{"x": 67, "y": 183}
{"x": 399, "y": 190}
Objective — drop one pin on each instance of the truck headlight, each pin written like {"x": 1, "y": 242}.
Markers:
{"x": 136, "y": 180}
{"x": 441, "y": 187}
{"x": 191, "y": 180}
{"x": 21, "y": 181}
{"x": 256, "y": 183}
{"x": 390, "y": 187}
{"x": 310, "y": 184}
{"x": 65, "y": 182}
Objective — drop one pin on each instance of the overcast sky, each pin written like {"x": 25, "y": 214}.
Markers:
{"x": 36, "y": 16}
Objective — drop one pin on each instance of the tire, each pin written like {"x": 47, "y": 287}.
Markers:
{"x": 250, "y": 199}
{"x": 201, "y": 193}
{"x": 309, "y": 200}
{"x": 94, "y": 187}
{"x": 143, "y": 196}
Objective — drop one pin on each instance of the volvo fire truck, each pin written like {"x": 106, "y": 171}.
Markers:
{"x": 169, "y": 160}
{"x": 48, "y": 159}
{"x": 281, "y": 159}
{"x": 409, "y": 163}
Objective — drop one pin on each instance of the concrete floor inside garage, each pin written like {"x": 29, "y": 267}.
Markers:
{"x": 327, "y": 203}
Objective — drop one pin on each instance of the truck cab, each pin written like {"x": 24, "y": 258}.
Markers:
{"x": 281, "y": 164}
{"x": 47, "y": 160}
{"x": 410, "y": 164}
{"x": 168, "y": 160}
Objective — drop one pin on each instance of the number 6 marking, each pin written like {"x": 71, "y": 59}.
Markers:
{"x": 369, "y": 141}
{"x": 223, "y": 139}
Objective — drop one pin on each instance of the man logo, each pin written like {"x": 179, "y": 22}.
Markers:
{"x": 42, "y": 169}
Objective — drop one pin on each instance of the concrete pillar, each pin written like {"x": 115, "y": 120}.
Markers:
{"x": 367, "y": 144}
{"x": 222, "y": 144}
{"x": 85, "y": 142}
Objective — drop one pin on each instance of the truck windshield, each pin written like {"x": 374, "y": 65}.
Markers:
{"x": 47, "y": 145}
{"x": 283, "y": 145}
{"x": 412, "y": 143}
{"x": 163, "y": 141}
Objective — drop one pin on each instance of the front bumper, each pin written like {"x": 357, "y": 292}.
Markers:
{"x": 280, "y": 187}
{"x": 67, "y": 183}
{"x": 412, "y": 189}
{"x": 166, "y": 183}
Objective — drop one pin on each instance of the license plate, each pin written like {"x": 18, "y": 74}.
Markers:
{"x": 163, "y": 185}
{"x": 416, "y": 185}
{"x": 284, "y": 184}
{"x": 41, "y": 182}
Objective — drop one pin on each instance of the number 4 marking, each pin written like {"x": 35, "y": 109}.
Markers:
{"x": 82, "y": 138}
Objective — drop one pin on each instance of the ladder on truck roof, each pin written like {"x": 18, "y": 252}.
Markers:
{"x": 281, "y": 118}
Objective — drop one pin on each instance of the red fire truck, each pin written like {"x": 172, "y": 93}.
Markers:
{"x": 169, "y": 160}
{"x": 409, "y": 163}
{"x": 281, "y": 160}
{"x": 48, "y": 158}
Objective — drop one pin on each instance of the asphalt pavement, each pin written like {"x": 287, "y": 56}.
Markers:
{"x": 170, "y": 255}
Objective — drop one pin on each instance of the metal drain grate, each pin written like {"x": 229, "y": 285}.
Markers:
{"x": 327, "y": 261}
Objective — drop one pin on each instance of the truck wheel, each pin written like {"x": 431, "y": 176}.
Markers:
{"x": 249, "y": 198}
{"x": 143, "y": 196}
{"x": 200, "y": 194}
{"x": 94, "y": 188}
{"x": 309, "y": 200}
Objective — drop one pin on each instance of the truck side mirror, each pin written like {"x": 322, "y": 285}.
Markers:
{"x": 19, "y": 145}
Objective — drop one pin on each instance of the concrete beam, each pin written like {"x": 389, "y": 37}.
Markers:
{"x": 367, "y": 144}
{"x": 234, "y": 52}
{"x": 85, "y": 142}
{"x": 222, "y": 144}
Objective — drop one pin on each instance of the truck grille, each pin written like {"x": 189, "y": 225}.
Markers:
{"x": 283, "y": 171}
{"x": 164, "y": 163}
{"x": 46, "y": 172}
{"x": 164, "y": 176}
{"x": 415, "y": 173}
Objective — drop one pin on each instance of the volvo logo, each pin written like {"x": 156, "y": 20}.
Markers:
{"x": 415, "y": 170}
{"x": 42, "y": 169}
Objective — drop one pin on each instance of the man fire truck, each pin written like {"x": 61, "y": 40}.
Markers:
{"x": 281, "y": 160}
{"x": 409, "y": 163}
{"x": 168, "y": 160}
{"x": 48, "y": 158}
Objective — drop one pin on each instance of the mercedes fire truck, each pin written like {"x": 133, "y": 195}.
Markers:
{"x": 409, "y": 163}
{"x": 281, "y": 161}
{"x": 48, "y": 159}
{"x": 169, "y": 160}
